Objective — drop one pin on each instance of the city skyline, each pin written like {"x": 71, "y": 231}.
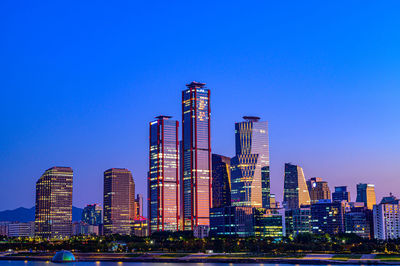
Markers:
{"x": 73, "y": 97}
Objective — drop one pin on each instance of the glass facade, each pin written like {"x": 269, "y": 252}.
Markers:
{"x": 119, "y": 201}
{"x": 250, "y": 166}
{"x": 53, "y": 210}
{"x": 221, "y": 181}
{"x": 269, "y": 223}
{"x": 295, "y": 190}
{"x": 340, "y": 194}
{"x": 164, "y": 187}
{"x": 366, "y": 194}
{"x": 298, "y": 221}
{"x": 92, "y": 214}
{"x": 231, "y": 221}
{"x": 328, "y": 217}
{"x": 196, "y": 156}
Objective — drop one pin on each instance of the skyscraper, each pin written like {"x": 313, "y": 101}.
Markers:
{"x": 318, "y": 189}
{"x": 366, "y": 194}
{"x": 164, "y": 197}
{"x": 295, "y": 191}
{"x": 340, "y": 194}
{"x": 53, "y": 211}
{"x": 196, "y": 146}
{"x": 250, "y": 166}
{"x": 139, "y": 206}
{"x": 119, "y": 201}
{"x": 221, "y": 181}
{"x": 92, "y": 214}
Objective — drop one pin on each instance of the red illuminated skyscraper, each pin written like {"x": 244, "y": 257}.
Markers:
{"x": 196, "y": 152}
{"x": 163, "y": 182}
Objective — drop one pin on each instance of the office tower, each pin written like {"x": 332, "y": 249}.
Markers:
{"x": 221, "y": 181}
{"x": 340, "y": 194}
{"x": 295, "y": 191}
{"x": 233, "y": 221}
{"x": 298, "y": 221}
{"x": 318, "y": 189}
{"x": 163, "y": 206}
{"x": 53, "y": 211}
{"x": 328, "y": 217}
{"x": 119, "y": 201}
{"x": 366, "y": 194}
{"x": 272, "y": 202}
{"x": 82, "y": 228}
{"x": 357, "y": 220}
{"x": 139, "y": 206}
{"x": 92, "y": 214}
{"x": 196, "y": 146}
{"x": 387, "y": 218}
{"x": 269, "y": 223}
{"x": 250, "y": 166}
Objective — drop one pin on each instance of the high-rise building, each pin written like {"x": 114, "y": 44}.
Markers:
{"x": 53, "y": 211}
{"x": 269, "y": 223}
{"x": 221, "y": 181}
{"x": 139, "y": 206}
{"x": 387, "y": 218}
{"x": 366, "y": 194}
{"x": 164, "y": 192}
{"x": 318, "y": 189}
{"x": 340, "y": 194}
{"x": 196, "y": 156}
{"x": 92, "y": 214}
{"x": 119, "y": 201}
{"x": 250, "y": 166}
{"x": 327, "y": 217}
{"x": 295, "y": 191}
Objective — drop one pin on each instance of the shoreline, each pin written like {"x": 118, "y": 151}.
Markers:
{"x": 88, "y": 257}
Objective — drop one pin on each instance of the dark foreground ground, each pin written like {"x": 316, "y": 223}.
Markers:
{"x": 218, "y": 258}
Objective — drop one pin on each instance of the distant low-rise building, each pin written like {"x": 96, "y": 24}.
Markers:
{"x": 21, "y": 229}
{"x": 269, "y": 223}
{"x": 357, "y": 220}
{"x": 140, "y": 227}
{"x": 82, "y": 228}
{"x": 231, "y": 221}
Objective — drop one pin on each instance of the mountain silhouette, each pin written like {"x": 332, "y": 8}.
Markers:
{"x": 26, "y": 215}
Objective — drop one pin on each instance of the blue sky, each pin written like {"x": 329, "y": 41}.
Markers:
{"x": 80, "y": 82}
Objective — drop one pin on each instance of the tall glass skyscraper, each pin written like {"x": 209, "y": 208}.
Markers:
{"x": 221, "y": 181}
{"x": 164, "y": 192}
{"x": 295, "y": 190}
{"x": 366, "y": 194}
{"x": 250, "y": 166}
{"x": 92, "y": 214}
{"x": 196, "y": 156}
{"x": 53, "y": 210}
{"x": 119, "y": 201}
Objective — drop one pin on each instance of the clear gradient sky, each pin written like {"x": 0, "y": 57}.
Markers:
{"x": 80, "y": 81}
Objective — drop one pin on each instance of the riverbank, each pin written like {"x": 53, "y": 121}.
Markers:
{"x": 321, "y": 259}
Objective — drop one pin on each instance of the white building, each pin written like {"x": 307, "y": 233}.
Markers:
{"x": 21, "y": 229}
{"x": 387, "y": 219}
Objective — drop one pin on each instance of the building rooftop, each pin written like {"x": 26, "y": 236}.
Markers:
{"x": 251, "y": 118}
{"x": 195, "y": 84}
{"x": 163, "y": 117}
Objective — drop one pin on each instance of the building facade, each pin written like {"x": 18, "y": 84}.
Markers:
{"x": 298, "y": 221}
{"x": 318, "y": 189}
{"x": 119, "y": 201}
{"x": 196, "y": 156}
{"x": 164, "y": 186}
{"x": 92, "y": 214}
{"x": 295, "y": 190}
{"x": 250, "y": 166}
{"x": 357, "y": 221}
{"x": 269, "y": 223}
{"x": 234, "y": 221}
{"x": 21, "y": 229}
{"x": 340, "y": 194}
{"x": 139, "y": 206}
{"x": 328, "y": 217}
{"x": 53, "y": 208}
{"x": 366, "y": 194}
{"x": 387, "y": 219}
{"x": 221, "y": 181}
